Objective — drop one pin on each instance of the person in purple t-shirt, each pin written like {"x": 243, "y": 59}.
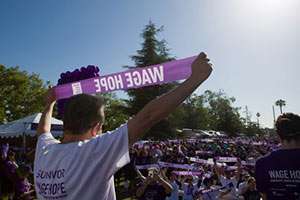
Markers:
{"x": 278, "y": 173}
{"x": 23, "y": 188}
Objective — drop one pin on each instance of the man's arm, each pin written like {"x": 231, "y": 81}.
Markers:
{"x": 217, "y": 170}
{"x": 140, "y": 175}
{"x": 263, "y": 196}
{"x": 45, "y": 121}
{"x": 239, "y": 171}
{"x": 141, "y": 190}
{"x": 161, "y": 107}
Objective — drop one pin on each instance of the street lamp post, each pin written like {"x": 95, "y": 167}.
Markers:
{"x": 274, "y": 118}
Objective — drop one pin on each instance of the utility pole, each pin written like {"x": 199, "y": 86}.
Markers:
{"x": 247, "y": 116}
{"x": 274, "y": 115}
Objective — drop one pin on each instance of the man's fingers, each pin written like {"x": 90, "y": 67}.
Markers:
{"x": 203, "y": 58}
{"x": 202, "y": 55}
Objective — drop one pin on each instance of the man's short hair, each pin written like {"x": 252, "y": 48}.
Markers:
{"x": 82, "y": 112}
{"x": 288, "y": 126}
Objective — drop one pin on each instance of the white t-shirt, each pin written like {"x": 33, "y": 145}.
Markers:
{"x": 242, "y": 187}
{"x": 189, "y": 191}
{"x": 80, "y": 170}
{"x": 226, "y": 181}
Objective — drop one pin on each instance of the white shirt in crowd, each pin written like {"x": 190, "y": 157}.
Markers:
{"x": 189, "y": 191}
{"x": 242, "y": 187}
{"x": 80, "y": 170}
{"x": 226, "y": 181}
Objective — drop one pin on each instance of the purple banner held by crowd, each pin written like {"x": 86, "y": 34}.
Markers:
{"x": 187, "y": 173}
{"x": 227, "y": 159}
{"x": 133, "y": 78}
{"x": 174, "y": 165}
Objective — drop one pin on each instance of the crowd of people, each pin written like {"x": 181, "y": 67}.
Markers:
{"x": 207, "y": 168}
{"x": 202, "y": 168}
{"x": 84, "y": 163}
{"x": 192, "y": 168}
{"x": 16, "y": 172}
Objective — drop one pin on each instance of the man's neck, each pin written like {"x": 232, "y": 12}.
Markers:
{"x": 68, "y": 138}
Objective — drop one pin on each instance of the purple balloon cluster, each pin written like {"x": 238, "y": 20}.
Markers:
{"x": 90, "y": 71}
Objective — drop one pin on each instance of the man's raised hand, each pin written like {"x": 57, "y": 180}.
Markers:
{"x": 161, "y": 107}
{"x": 50, "y": 97}
{"x": 45, "y": 121}
{"x": 201, "y": 68}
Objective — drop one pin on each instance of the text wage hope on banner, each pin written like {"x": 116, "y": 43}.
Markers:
{"x": 134, "y": 78}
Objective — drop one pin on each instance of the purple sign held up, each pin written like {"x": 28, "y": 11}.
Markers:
{"x": 134, "y": 78}
{"x": 187, "y": 173}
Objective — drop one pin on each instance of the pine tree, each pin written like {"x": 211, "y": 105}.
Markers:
{"x": 153, "y": 52}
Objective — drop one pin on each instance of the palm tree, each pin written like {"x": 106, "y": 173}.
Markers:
{"x": 258, "y": 115}
{"x": 280, "y": 103}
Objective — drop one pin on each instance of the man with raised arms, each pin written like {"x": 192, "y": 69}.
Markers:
{"x": 82, "y": 164}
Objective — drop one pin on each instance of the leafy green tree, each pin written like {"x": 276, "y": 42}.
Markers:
{"x": 252, "y": 129}
{"x": 223, "y": 116}
{"x": 196, "y": 113}
{"x": 21, "y": 94}
{"x": 191, "y": 114}
{"x": 115, "y": 111}
{"x": 153, "y": 51}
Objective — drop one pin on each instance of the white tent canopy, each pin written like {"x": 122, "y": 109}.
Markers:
{"x": 28, "y": 125}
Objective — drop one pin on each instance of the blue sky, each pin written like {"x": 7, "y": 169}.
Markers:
{"x": 254, "y": 44}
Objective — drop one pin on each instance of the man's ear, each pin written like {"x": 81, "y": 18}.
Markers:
{"x": 96, "y": 129}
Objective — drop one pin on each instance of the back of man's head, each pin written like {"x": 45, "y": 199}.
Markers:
{"x": 288, "y": 127}
{"x": 82, "y": 112}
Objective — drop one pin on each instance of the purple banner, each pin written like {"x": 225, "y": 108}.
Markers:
{"x": 178, "y": 166}
{"x": 197, "y": 160}
{"x": 147, "y": 166}
{"x": 227, "y": 159}
{"x": 187, "y": 173}
{"x": 133, "y": 78}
